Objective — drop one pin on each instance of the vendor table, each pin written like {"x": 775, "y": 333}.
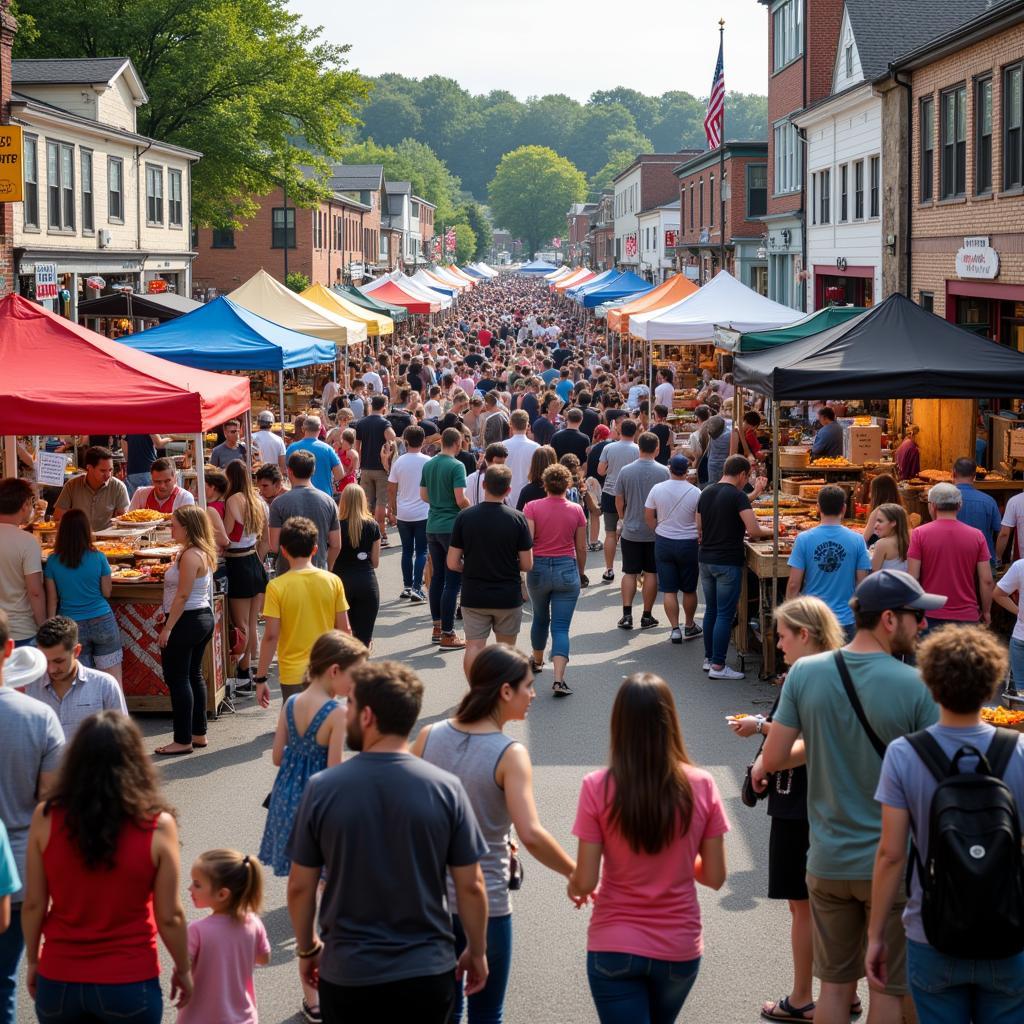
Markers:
{"x": 135, "y": 607}
{"x": 759, "y": 568}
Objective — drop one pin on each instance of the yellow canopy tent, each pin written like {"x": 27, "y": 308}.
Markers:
{"x": 377, "y": 324}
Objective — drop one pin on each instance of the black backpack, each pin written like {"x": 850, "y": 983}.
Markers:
{"x": 972, "y": 901}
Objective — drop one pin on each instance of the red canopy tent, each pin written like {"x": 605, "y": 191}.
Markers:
{"x": 60, "y": 378}
{"x": 392, "y": 293}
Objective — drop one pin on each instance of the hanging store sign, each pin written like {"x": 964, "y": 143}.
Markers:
{"x": 977, "y": 259}
{"x": 671, "y": 238}
{"x": 631, "y": 246}
{"x": 50, "y": 468}
{"x": 46, "y": 280}
{"x": 11, "y": 171}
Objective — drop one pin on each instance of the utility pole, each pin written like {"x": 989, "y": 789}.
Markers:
{"x": 721, "y": 159}
{"x": 284, "y": 190}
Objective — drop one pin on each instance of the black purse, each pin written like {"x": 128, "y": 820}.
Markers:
{"x": 748, "y": 794}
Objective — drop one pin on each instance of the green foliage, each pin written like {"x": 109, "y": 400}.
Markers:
{"x": 474, "y": 215}
{"x": 465, "y": 243}
{"x": 238, "y": 80}
{"x": 297, "y": 281}
{"x": 531, "y": 190}
{"x": 602, "y": 180}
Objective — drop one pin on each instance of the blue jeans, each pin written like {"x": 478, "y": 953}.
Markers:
{"x": 414, "y": 537}
{"x": 721, "y": 585}
{"x": 488, "y": 1005}
{"x": 445, "y": 584}
{"x": 1017, "y": 663}
{"x": 554, "y": 588}
{"x": 133, "y": 481}
{"x": 12, "y": 945}
{"x": 630, "y": 989}
{"x": 67, "y": 1002}
{"x": 948, "y": 990}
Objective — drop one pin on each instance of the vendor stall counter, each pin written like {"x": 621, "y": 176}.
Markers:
{"x": 759, "y": 568}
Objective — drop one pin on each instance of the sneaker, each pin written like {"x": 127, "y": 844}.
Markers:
{"x": 626, "y": 622}
{"x": 311, "y": 1013}
{"x": 692, "y": 632}
{"x": 584, "y": 581}
{"x": 676, "y": 636}
{"x": 416, "y": 596}
{"x": 405, "y": 594}
{"x": 648, "y": 621}
{"x": 435, "y": 636}
{"x": 608, "y": 575}
{"x": 245, "y": 688}
{"x": 725, "y": 673}
{"x": 452, "y": 642}
{"x": 706, "y": 667}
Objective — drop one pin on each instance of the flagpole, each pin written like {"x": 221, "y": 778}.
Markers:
{"x": 721, "y": 153}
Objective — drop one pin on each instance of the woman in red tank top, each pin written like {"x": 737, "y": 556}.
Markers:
{"x": 103, "y": 872}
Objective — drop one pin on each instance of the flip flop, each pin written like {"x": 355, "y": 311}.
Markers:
{"x": 782, "y": 1009}
{"x": 164, "y": 752}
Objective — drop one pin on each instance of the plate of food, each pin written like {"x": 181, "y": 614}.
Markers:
{"x": 141, "y": 517}
{"x": 128, "y": 575}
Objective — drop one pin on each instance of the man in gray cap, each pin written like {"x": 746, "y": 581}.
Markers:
{"x": 268, "y": 444}
{"x": 836, "y": 714}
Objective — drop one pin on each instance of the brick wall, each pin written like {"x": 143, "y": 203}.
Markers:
{"x": 8, "y": 28}
{"x": 736, "y": 223}
{"x": 658, "y": 184}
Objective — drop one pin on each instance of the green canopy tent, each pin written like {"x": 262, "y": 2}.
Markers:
{"x": 397, "y": 313}
{"x": 757, "y": 341}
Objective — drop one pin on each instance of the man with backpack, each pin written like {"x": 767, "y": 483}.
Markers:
{"x": 847, "y": 706}
{"x": 957, "y": 790}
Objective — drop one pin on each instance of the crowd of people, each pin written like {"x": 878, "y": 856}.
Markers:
{"x": 494, "y": 449}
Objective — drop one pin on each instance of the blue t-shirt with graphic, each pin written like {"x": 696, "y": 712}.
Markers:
{"x": 829, "y": 557}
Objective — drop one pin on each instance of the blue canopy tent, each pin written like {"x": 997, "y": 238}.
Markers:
{"x": 626, "y": 283}
{"x": 592, "y": 282}
{"x": 467, "y": 269}
{"x": 537, "y": 267}
{"x": 223, "y": 336}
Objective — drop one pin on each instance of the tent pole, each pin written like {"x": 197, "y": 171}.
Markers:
{"x": 197, "y": 440}
{"x": 280, "y": 399}
{"x": 248, "y": 437}
{"x": 10, "y": 456}
{"x": 776, "y": 484}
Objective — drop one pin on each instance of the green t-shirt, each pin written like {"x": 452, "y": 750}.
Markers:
{"x": 441, "y": 475}
{"x": 842, "y": 765}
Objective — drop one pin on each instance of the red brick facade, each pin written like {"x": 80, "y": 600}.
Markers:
{"x": 738, "y": 221}
{"x": 8, "y": 28}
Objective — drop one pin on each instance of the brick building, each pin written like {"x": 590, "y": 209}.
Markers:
{"x": 8, "y": 28}
{"x": 700, "y": 222}
{"x": 966, "y": 211}
{"x": 601, "y": 236}
{"x": 577, "y": 230}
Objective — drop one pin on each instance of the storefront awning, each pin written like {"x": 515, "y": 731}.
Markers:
{"x": 161, "y": 306}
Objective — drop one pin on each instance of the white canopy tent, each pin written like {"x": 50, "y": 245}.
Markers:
{"x": 484, "y": 269}
{"x": 446, "y": 277}
{"x": 419, "y": 290}
{"x": 557, "y": 275}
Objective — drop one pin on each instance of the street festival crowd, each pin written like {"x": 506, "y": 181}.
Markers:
{"x": 494, "y": 448}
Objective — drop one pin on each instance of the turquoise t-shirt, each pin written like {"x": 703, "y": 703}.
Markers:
{"x": 842, "y": 766}
{"x": 78, "y": 590}
{"x": 829, "y": 557}
{"x": 441, "y": 475}
{"x": 326, "y": 459}
{"x": 10, "y": 883}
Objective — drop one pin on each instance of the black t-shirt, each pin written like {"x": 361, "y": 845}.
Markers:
{"x": 474, "y": 359}
{"x": 787, "y": 791}
{"x": 571, "y": 441}
{"x": 559, "y": 356}
{"x": 590, "y": 422}
{"x": 399, "y": 420}
{"x": 544, "y": 430}
{"x": 530, "y": 406}
{"x": 611, "y": 415}
{"x": 722, "y": 529}
{"x": 663, "y": 432}
{"x": 370, "y": 431}
{"x": 449, "y": 419}
{"x": 486, "y": 384}
{"x": 430, "y": 427}
{"x": 491, "y": 535}
{"x": 530, "y": 492}
{"x": 141, "y": 453}
{"x": 349, "y": 557}
{"x": 416, "y": 381}
{"x": 468, "y": 459}
{"x": 594, "y": 459}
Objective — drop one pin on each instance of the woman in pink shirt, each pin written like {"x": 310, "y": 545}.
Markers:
{"x": 649, "y": 827}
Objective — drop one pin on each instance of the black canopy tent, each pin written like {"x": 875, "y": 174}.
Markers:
{"x": 160, "y": 306}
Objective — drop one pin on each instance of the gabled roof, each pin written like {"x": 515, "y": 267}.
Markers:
{"x": 399, "y": 188}
{"x": 77, "y": 71}
{"x": 356, "y": 177}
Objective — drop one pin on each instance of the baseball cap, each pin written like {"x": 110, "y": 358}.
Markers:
{"x": 266, "y": 416}
{"x": 889, "y": 589}
{"x": 679, "y": 465}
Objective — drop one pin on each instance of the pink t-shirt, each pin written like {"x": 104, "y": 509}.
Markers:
{"x": 556, "y": 522}
{"x": 949, "y": 552}
{"x": 647, "y": 905}
{"x": 223, "y": 951}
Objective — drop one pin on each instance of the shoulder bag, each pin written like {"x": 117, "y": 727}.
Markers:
{"x": 858, "y": 708}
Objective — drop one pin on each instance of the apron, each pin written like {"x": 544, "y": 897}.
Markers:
{"x": 158, "y": 506}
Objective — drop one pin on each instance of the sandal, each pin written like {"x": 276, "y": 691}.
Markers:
{"x": 783, "y": 1009}
{"x": 597, "y": 546}
{"x": 559, "y": 688}
{"x": 535, "y": 666}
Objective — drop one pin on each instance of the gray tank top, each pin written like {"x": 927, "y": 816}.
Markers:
{"x": 473, "y": 758}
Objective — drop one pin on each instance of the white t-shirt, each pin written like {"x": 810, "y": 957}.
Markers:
{"x": 675, "y": 501}
{"x": 1013, "y": 515}
{"x": 269, "y": 445}
{"x": 520, "y": 455}
{"x": 20, "y": 556}
{"x": 373, "y": 382}
{"x": 433, "y": 408}
{"x": 407, "y": 472}
{"x": 141, "y": 496}
{"x": 553, "y": 332}
{"x": 665, "y": 394}
{"x": 330, "y": 393}
{"x": 1013, "y": 579}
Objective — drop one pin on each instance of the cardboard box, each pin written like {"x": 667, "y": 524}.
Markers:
{"x": 862, "y": 444}
{"x": 1016, "y": 444}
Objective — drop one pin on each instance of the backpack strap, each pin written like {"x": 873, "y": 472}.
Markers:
{"x": 858, "y": 708}
{"x": 928, "y": 750}
{"x": 1000, "y": 750}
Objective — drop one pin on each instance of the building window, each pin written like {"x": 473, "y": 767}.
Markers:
{"x": 757, "y": 190}
{"x": 844, "y": 193}
{"x": 928, "y": 301}
{"x": 223, "y": 238}
{"x": 1013, "y": 136}
{"x": 787, "y": 32}
{"x": 282, "y": 227}
{"x": 30, "y": 207}
{"x": 154, "y": 194}
{"x": 927, "y": 149}
{"x": 711, "y": 200}
{"x": 983, "y": 136}
{"x": 876, "y": 168}
{"x": 60, "y": 181}
{"x": 953, "y": 143}
{"x": 858, "y": 190}
{"x": 414, "y": 209}
{"x": 174, "y": 206}
{"x": 115, "y": 189}
{"x": 701, "y": 203}
{"x": 693, "y": 223}
{"x": 825, "y": 197}
{"x": 814, "y": 198}
{"x": 849, "y": 60}
{"x": 88, "y": 219}
{"x": 787, "y": 158}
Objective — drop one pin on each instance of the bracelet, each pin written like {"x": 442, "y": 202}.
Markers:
{"x": 259, "y": 679}
{"x": 306, "y": 954}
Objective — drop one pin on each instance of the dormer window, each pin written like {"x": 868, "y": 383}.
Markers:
{"x": 849, "y": 60}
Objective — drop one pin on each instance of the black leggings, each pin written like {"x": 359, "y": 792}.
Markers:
{"x": 363, "y": 596}
{"x": 183, "y": 672}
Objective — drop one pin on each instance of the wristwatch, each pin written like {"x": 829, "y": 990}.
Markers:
{"x": 262, "y": 679}
{"x": 759, "y": 728}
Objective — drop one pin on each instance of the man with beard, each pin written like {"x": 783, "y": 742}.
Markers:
{"x": 387, "y": 942}
{"x": 837, "y": 713}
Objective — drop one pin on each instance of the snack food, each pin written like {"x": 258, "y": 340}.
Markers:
{"x": 830, "y": 461}
{"x": 141, "y": 515}
{"x": 1002, "y": 716}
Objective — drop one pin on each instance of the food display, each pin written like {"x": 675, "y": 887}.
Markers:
{"x": 785, "y": 501}
{"x": 123, "y": 574}
{"x": 141, "y": 517}
{"x": 1003, "y": 716}
{"x": 831, "y": 462}
{"x": 115, "y": 549}
{"x": 936, "y": 476}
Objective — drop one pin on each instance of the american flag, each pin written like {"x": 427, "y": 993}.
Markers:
{"x": 714, "y": 120}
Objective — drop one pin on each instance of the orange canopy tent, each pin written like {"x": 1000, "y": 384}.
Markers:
{"x": 669, "y": 293}
{"x": 572, "y": 280}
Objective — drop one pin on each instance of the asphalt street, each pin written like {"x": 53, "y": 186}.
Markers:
{"x": 218, "y": 793}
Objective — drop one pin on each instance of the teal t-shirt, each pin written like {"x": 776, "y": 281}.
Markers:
{"x": 10, "y": 883}
{"x": 441, "y": 475}
{"x": 842, "y": 766}
{"x": 78, "y": 590}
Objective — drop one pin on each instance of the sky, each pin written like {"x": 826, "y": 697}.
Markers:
{"x": 535, "y": 47}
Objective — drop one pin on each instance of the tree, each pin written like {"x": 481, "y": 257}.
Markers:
{"x": 531, "y": 191}
{"x": 473, "y": 214}
{"x": 235, "y": 79}
{"x": 680, "y": 123}
{"x": 645, "y": 109}
{"x": 465, "y": 243}
{"x": 390, "y": 117}
{"x": 602, "y": 180}
{"x": 297, "y": 281}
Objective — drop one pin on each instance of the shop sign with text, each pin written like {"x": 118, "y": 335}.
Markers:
{"x": 977, "y": 259}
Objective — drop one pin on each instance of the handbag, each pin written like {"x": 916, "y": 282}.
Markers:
{"x": 748, "y": 794}
{"x": 858, "y": 708}
{"x": 515, "y": 865}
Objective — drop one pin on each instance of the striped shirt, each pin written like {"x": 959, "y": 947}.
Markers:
{"x": 91, "y": 691}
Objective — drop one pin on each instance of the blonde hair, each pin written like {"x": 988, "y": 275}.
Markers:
{"x": 240, "y": 482}
{"x": 812, "y": 614}
{"x": 354, "y": 511}
{"x": 237, "y": 872}
{"x": 198, "y": 532}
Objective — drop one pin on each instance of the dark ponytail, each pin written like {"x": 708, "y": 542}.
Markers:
{"x": 494, "y": 666}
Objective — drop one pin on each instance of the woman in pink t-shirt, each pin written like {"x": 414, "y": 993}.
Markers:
{"x": 649, "y": 827}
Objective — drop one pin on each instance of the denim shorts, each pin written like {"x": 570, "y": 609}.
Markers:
{"x": 101, "y": 641}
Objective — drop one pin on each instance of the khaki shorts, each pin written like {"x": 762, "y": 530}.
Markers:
{"x": 840, "y": 910}
{"x": 375, "y": 483}
{"x": 478, "y": 622}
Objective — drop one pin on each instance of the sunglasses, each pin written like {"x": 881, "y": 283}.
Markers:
{"x": 918, "y": 613}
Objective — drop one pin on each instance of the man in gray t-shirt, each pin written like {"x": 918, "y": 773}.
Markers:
{"x": 633, "y": 484}
{"x": 613, "y": 458}
{"x": 388, "y": 827}
{"x": 306, "y": 500}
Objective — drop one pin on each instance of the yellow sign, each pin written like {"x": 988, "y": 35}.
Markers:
{"x": 11, "y": 158}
